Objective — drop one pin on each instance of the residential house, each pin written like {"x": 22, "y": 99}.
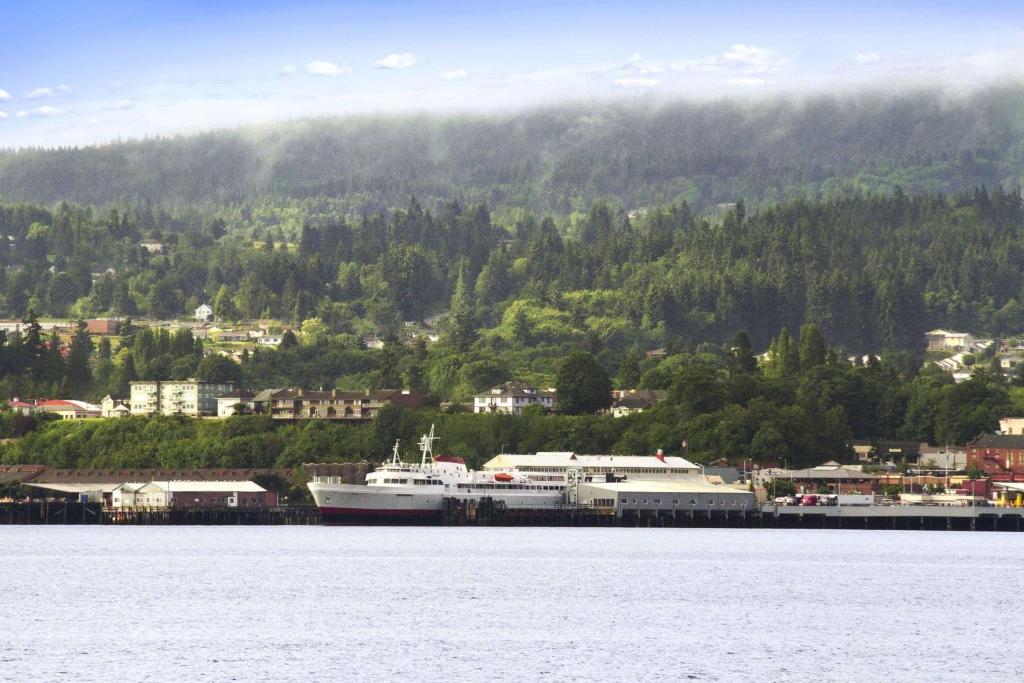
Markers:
{"x": 373, "y": 342}
{"x": 153, "y": 247}
{"x": 633, "y": 401}
{"x": 302, "y": 404}
{"x": 21, "y": 407}
{"x": 204, "y": 313}
{"x": 184, "y": 397}
{"x": 228, "y": 404}
{"x": 114, "y": 407}
{"x": 270, "y": 340}
{"x": 512, "y": 397}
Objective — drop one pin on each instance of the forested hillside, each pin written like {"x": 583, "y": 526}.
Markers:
{"x": 874, "y": 272}
{"x": 560, "y": 159}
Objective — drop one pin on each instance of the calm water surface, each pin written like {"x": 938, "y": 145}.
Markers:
{"x": 332, "y": 604}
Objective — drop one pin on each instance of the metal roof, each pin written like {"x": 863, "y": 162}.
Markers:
{"x": 73, "y": 488}
{"x": 998, "y": 441}
{"x": 568, "y": 459}
{"x": 687, "y": 485}
{"x": 206, "y": 486}
{"x": 826, "y": 472}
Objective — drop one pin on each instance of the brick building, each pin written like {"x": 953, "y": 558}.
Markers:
{"x": 998, "y": 456}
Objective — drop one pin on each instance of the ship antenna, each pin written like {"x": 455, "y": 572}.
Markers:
{"x": 395, "y": 458}
{"x": 427, "y": 447}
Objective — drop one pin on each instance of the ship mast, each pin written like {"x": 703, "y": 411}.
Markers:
{"x": 427, "y": 447}
{"x": 395, "y": 458}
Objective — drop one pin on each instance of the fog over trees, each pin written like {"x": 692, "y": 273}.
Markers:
{"x": 561, "y": 158}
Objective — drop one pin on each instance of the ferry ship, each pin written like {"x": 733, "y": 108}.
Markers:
{"x": 399, "y": 492}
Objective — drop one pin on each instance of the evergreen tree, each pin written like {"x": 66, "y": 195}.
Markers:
{"x": 462, "y": 325}
{"x": 812, "y": 347}
{"x": 742, "y": 360}
{"x": 78, "y": 380}
{"x": 583, "y": 385}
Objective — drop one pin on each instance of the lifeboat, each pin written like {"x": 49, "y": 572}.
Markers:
{"x": 502, "y": 476}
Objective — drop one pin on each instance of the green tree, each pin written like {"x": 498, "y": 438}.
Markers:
{"x": 583, "y": 385}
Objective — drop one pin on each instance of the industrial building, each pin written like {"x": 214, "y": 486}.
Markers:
{"x": 192, "y": 494}
{"x": 684, "y": 495}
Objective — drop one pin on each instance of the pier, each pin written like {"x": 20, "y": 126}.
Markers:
{"x": 60, "y": 512}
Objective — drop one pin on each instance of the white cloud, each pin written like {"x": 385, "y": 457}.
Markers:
{"x": 40, "y": 93}
{"x": 118, "y": 105}
{"x": 321, "y": 68}
{"x": 453, "y": 75}
{"x": 867, "y": 58}
{"x": 39, "y": 112}
{"x": 287, "y": 70}
{"x": 3, "y": 115}
{"x": 4, "y": 95}
{"x": 746, "y": 82}
{"x": 636, "y": 82}
{"x": 753, "y": 60}
{"x": 398, "y": 60}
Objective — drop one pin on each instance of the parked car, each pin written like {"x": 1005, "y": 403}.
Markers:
{"x": 809, "y": 500}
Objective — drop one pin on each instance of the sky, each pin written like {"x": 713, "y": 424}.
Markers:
{"x": 78, "y": 73}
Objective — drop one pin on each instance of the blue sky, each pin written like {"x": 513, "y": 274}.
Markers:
{"x": 86, "y": 72}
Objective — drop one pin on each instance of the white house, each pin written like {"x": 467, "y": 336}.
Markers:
{"x": 113, "y": 407}
{"x": 204, "y": 313}
{"x": 512, "y": 397}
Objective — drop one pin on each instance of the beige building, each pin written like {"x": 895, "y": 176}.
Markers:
{"x": 185, "y": 397}
{"x": 302, "y": 404}
{"x": 1011, "y": 425}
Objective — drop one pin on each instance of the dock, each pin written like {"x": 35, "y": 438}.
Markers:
{"x": 60, "y": 512}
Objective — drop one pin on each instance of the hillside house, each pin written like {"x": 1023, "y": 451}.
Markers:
{"x": 633, "y": 401}
{"x": 114, "y": 407}
{"x": 204, "y": 313}
{"x": 512, "y": 397}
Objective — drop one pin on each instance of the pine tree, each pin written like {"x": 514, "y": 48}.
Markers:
{"x": 741, "y": 355}
{"x": 78, "y": 380}
{"x": 462, "y": 324}
{"x": 812, "y": 346}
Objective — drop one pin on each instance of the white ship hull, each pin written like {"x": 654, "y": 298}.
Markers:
{"x": 358, "y": 504}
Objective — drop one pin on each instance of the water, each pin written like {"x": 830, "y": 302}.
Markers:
{"x": 334, "y": 604}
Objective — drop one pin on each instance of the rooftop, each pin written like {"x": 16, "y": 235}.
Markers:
{"x": 568, "y": 459}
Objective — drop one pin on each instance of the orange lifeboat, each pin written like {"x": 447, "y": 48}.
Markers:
{"x": 502, "y": 476}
